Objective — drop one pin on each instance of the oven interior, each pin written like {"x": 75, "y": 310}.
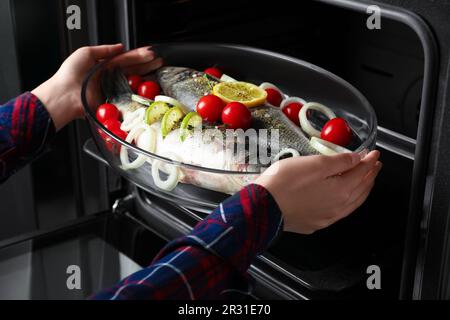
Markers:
{"x": 386, "y": 65}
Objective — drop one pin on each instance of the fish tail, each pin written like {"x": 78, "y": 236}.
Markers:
{"x": 114, "y": 83}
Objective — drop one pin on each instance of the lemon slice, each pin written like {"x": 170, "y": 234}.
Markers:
{"x": 243, "y": 92}
{"x": 171, "y": 120}
{"x": 190, "y": 122}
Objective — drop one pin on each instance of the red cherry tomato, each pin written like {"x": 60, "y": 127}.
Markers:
{"x": 210, "y": 108}
{"x": 120, "y": 133}
{"x": 214, "y": 72}
{"x": 112, "y": 124}
{"x": 149, "y": 89}
{"x": 237, "y": 116}
{"x": 337, "y": 131}
{"x": 292, "y": 110}
{"x": 274, "y": 97}
{"x": 107, "y": 111}
{"x": 111, "y": 144}
{"x": 134, "y": 81}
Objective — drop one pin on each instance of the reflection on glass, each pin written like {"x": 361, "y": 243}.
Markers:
{"x": 28, "y": 272}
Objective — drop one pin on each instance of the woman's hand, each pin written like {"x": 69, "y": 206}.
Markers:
{"x": 316, "y": 191}
{"x": 61, "y": 94}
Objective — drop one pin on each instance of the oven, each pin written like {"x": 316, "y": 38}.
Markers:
{"x": 86, "y": 215}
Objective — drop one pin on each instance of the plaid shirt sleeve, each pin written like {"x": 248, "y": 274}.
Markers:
{"x": 212, "y": 261}
{"x": 25, "y": 129}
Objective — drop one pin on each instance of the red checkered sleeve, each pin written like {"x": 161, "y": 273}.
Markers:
{"x": 212, "y": 261}
{"x": 25, "y": 129}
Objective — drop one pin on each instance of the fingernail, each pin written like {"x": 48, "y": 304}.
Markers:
{"x": 145, "y": 53}
{"x": 155, "y": 49}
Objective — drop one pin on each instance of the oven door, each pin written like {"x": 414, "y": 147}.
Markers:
{"x": 78, "y": 259}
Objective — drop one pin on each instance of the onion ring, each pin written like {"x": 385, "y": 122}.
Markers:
{"x": 227, "y": 78}
{"x": 284, "y": 152}
{"x": 172, "y": 102}
{"x": 141, "y": 159}
{"x": 172, "y": 171}
{"x": 141, "y": 100}
{"x": 304, "y": 122}
{"x": 268, "y": 85}
{"x": 133, "y": 119}
{"x": 327, "y": 148}
{"x": 290, "y": 100}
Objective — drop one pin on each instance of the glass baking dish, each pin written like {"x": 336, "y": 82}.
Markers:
{"x": 203, "y": 186}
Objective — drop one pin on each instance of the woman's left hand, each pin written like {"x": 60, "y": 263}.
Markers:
{"x": 61, "y": 94}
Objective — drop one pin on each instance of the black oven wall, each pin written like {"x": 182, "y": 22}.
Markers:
{"x": 427, "y": 276}
{"x": 64, "y": 184}
{"x": 29, "y": 55}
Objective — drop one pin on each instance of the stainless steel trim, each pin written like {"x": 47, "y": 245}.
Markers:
{"x": 124, "y": 23}
{"x": 280, "y": 286}
{"x": 284, "y": 271}
{"x": 396, "y": 143}
{"x": 91, "y": 7}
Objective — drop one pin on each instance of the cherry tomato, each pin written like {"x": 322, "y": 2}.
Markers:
{"x": 214, "y": 72}
{"x": 120, "y": 133}
{"x": 111, "y": 125}
{"x": 210, "y": 108}
{"x": 149, "y": 89}
{"x": 237, "y": 116}
{"x": 134, "y": 81}
{"x": 337, "y": 131}
{"x": 107, "y": 111}
{"x": 292, "y": 110}
{"x": 111, "y": 144}
{"x": 274, "y": 97}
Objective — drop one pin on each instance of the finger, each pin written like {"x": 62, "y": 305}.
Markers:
{"x": 106, "y": 51}
{"x": 145, "y": 68}
{"x": 352, "y": 178}
{"x": 133, "y": 57}
{"x": 366, "y": 183}
{"x": 334, "y": 165}
{"x": 361, "y": 196}
{"x": 356, "y": 204}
